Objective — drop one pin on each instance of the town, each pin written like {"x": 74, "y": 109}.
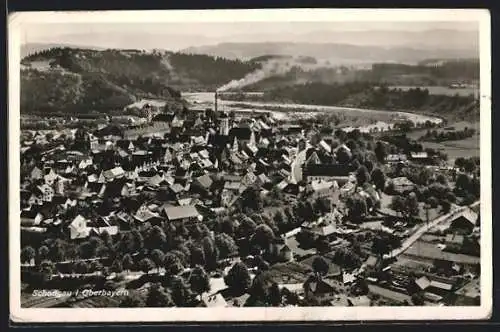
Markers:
{"x": 214, "y": 208}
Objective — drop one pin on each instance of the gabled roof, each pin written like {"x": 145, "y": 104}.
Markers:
{"x": 318, "y": 286}
{"x": 205, "y": 181}
{"x": 325, "y": 146}
{"x": 181, "y": 212}
{"x": 468, "y": 214}
{"x": 423, "y": 282}
{"x": 215, "y": 300}
{"x": 114, "y": 172}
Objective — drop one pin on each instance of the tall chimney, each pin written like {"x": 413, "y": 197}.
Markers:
{"x": 215, "y": 107}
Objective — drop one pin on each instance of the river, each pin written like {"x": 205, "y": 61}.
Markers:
{"x": 206, "y": 99}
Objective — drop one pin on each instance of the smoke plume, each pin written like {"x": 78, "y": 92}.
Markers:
{"x": 275, "y": 67}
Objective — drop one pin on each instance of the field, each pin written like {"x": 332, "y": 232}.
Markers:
{"x": 454, "y": 149}
{"x": 431, "y": 251}
{"x": 291, "y": 272}
{"x": 440, "y": 90}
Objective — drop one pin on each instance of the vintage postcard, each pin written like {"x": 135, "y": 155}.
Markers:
{"x": 250, "y": 165}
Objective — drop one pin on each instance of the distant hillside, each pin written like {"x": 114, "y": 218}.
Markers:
{"x": 32, "y": 48}
{"x": 336, "y": 52}
{"x": 61, "y": 79}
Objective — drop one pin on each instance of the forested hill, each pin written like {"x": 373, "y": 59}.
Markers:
{"x": 62, "y": 79}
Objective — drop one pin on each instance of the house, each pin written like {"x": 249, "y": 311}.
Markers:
{"x": 280, "y": 251}
{"x": 327, "y": 172}
{"x": 46, "y": 192}
{"x": 402, "y": 184}
{"x": 35, "y": 200}
{"x": 396, "y": 158}
{"x": 113, "y": 173}
{"x": 144, "y": 214}
{"x": 50, "y": 176}
{"x": 420, "y": 157}
{"x": 320, "y": 290}
{"x": 214, "y": 301}
{"x": 434, "y": 286}
{"x": 202, "y": 184}
{"x": 464, "y": 220}
{"x": 326, "y": 189}
{"x": 454, "y": 239}
{"x": 78, "y": 228}
{"x": 181, "y": 214}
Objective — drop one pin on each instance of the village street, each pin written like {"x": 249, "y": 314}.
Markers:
{"x": 425, "y": 228}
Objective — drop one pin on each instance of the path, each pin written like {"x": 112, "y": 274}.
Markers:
{"x": 425, "y": 228}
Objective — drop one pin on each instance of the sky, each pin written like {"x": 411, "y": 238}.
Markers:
{"x": 177, "y": 36}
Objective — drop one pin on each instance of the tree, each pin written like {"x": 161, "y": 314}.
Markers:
{"x": 445, "y": 206}
{"x": 320, "y": 265}
{"x": 463, "y": 183}
{"x": 137, "y": 240}
{"x": 362, "y": 175}
{"x": 259, "y": 289}
{"x": 357, "y": 207}
{"x": 322, "y": 245}
{"x": 460, "y": 162}
{"x": 199, "y": 281}
{"x": 378, "y": 179}
{"x": 116, "y": 266}
{"x": 274, "y": 295}
{"x": 398, "y": 204}
{"x": 469, "y": 165}
{"x": 172, "y": 263}
{"x": 127, "y": 262}
{"x": 43, "y": 253}
{"x": 146, "y": 265}
{"x": 417, "y": 299}
{"x": 322, "y": 205}
{"x": 95, "y": 266}
{"x": 251, "y": 199}
{"x": 441, "y": 179}
{"x": 384, "y": 242}
{"x": 380, "y": 152}
{"x": 197, "y": 256}
{"x": 263, "y": 236}
{"x": 47, "y": 269}
{"x": 226, "y": 245}
{"x": 131, "y": 301}
{"x": 87, "y": 250}
{"x": 27, "y": 254}
{"x": 156, "y": 238}
{"x": 157, "y": 297}
{"x": 81, "y": 267}
{"x": 347, "y": 258}
{"x": 247, "y": 226}
{"x": 181, "y": 294}
{"x": 411, "y": 205}
{"x": 238, "y": 278}
{"x": 343, "y": 156}
{"x": 157, "y": 257}
{"x": 433, "y": 202}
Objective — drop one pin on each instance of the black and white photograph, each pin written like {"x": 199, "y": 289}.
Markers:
{"x": 234, "y": 165}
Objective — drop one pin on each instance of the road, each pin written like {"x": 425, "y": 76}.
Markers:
{"x": 424, "y": 229}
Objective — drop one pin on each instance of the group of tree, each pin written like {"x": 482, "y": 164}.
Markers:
{"x": 452, "y": 135}
{"x": 407, "y": 206}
